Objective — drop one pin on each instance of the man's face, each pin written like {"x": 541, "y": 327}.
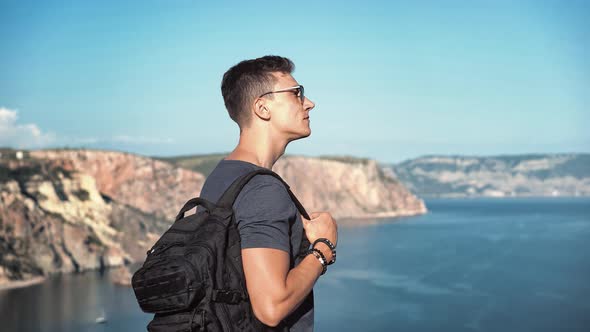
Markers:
{"x": 289, "y": 116}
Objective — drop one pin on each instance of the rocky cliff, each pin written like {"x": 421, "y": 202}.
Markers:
{"x": 355, "y": 188}
{"x": 499, "y": 176}
{"x": 54, "y": 219}
{"x": 150, "y": 185}
{"x": 348, "y": 187}
{"x": 72, "y": 210}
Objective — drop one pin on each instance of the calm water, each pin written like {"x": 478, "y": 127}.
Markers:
{"x": 469, "y": 265}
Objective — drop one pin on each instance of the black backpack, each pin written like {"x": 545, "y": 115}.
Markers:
{"x": 193, "y": 279}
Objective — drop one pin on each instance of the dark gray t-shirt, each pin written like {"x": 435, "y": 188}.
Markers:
{"x": 263, "y": 210}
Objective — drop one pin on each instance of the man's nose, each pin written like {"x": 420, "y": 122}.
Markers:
{"x": 308, "y": 104}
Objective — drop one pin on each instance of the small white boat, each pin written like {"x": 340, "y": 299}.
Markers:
{"x": 101, "y": 319}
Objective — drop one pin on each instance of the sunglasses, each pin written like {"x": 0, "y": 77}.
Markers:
{"x": 298, "y": 90}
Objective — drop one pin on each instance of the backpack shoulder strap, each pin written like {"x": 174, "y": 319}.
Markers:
{"x": 229, "y": 196}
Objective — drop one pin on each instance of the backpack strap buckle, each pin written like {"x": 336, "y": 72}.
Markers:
{"x": 229, "y": 296}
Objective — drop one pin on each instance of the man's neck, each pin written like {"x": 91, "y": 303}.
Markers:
{"x": 257, "y": 149}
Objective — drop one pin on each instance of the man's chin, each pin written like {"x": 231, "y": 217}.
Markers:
{"x": 303, "y": 135}
{"x": 307, "y": 134}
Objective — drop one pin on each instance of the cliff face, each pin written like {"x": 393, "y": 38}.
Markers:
{"x": 149, "y": 185}
{"x": 55, "y": 220}
{"x": 501, "y": 176}
{"x": 350, "y": 189}
{"x": 345, "y": 186}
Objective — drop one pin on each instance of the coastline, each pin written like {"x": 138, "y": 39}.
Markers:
{"x": 378, "y": 218}
{"x": 22, "y": 283}
{"x": 119, "y": 275}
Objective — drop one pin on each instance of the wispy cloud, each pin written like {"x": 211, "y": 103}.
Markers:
{"x": 28, "y": 135}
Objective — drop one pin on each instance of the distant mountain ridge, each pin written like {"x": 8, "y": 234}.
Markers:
{"x": 546, "y": 175}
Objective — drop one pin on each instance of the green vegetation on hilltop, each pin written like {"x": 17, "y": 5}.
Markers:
{"x": 346, "y": 159}
{"x": 11, "y": 154}
{"x": 25, "y": 172}
{"x": 203, "y": 164}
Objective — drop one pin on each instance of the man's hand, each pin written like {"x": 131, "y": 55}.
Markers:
{"x": 321, "y": 225}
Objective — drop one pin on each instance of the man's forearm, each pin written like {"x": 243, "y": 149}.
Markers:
{"x": 299, "y": 283}
{"x": 275, "y": 297}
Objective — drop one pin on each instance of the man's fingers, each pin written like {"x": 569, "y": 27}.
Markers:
{"x": 306, "y": 223}
{"x": 315, "y": 215}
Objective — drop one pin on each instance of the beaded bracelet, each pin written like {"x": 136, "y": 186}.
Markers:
{"x": 318, "y": 254}
{"x": 330, "y": 245}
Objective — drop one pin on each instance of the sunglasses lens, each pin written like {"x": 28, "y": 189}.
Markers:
{"x": 301, "y": 93}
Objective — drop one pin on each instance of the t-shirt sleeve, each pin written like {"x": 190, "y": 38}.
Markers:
{"x": 263, "y": 213}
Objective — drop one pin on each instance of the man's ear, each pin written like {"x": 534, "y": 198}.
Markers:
{"x": 261, "y": 110}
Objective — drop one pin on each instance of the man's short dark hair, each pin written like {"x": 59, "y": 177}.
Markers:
{"x": 249, "y": 79}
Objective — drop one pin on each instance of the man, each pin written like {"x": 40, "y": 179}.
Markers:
{"x": 271, "y": 110}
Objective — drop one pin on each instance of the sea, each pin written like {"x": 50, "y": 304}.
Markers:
{"x": 517, "y": 264}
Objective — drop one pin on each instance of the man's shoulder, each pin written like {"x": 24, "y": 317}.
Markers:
{"x": 264, "y": 181}
{"x": 265, "y": 194}
{"x": 224, "y": 174}
{"x": 233, "y": 169}
{"x": 260, "y": 187}
{"x": 265, "y": 187}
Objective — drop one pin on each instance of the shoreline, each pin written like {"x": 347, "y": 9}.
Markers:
{"x": 22, "y": 283}
{"x": 120, "y": 275}
{"x": 378, "y": 218}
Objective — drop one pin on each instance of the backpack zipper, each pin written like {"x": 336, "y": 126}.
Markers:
{"x": 174, "y": 230}
{"x": 159, "y": 250}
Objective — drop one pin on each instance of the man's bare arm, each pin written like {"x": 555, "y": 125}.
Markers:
{"x": 275, "y": 291}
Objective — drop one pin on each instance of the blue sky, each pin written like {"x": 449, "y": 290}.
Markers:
{"x": 391, "y": 80}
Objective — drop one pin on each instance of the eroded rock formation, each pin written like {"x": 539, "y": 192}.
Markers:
{"x": 55, "y": 220}
{"x": 147, "y": 184}
{"x": 350, "y": 189}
